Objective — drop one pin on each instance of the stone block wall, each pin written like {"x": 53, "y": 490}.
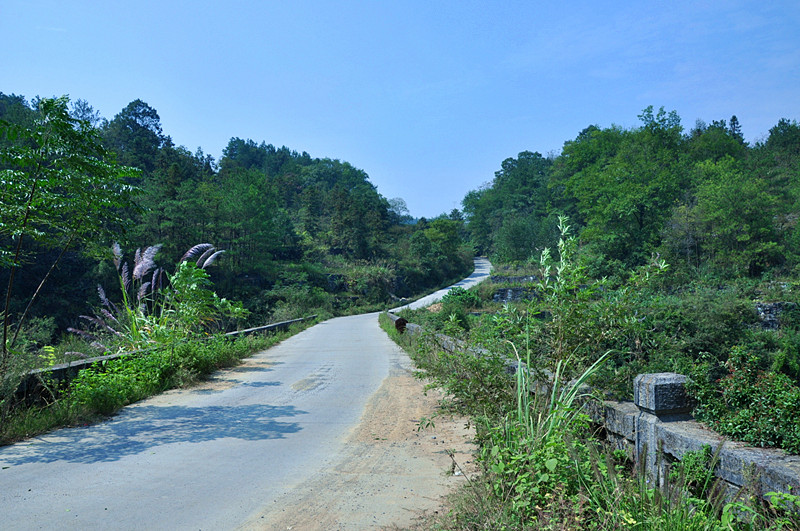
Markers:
{"x": 658, "y": 429}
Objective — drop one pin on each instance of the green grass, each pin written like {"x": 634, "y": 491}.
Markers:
{"x": 102, "y": 390}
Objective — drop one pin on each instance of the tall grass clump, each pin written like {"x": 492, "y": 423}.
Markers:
{"x": 157, "y": 308}
{"x": 531, "y": 457}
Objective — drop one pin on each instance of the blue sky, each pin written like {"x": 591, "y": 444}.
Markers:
{"x": 427, "y": 97}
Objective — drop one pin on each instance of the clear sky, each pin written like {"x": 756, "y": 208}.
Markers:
{"x": 427, "y": 97}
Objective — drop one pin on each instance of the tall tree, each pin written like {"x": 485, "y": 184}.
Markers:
{"x": 81, "y": 110}
{"x": 736, "y": 213}
{"x": 715, "y": 142}
{"x": 519, "y": 190}
{"x": 15, "y": 110}
{"x": 735, "y": 129}
{"x": 61, "y": 189}
{"x": 627, "y": 197}
{"x": 135, "y": 135}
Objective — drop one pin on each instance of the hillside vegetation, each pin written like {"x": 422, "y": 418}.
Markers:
{"x": 715, "y": 218}
{"x": 637, "y": 250}
{"x": 300, "y": 234}
{"x": 646, "y": 249}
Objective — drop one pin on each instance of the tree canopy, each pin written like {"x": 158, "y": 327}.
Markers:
{"x": 297, "y": 230}
{"x": 702, "y": 198}
{"x": 59, "y": 189}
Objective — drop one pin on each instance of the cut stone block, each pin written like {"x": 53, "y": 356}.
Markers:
{"x": 661, "y": 394}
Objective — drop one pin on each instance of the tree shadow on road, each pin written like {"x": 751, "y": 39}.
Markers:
{"x": 141, "y": 428}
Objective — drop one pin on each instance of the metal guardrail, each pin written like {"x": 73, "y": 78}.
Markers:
{"x": 270, "y": 327}
{"x": 31, "y": 385}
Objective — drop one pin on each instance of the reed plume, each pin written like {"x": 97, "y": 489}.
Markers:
{"x": 196, "y": 250}
{"x": 211, "y": 259}
{"x": 112, "y": 321}
{"x": 144, "y": 261}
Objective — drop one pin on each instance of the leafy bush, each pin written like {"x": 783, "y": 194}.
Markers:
{"x": 372, "y": 281}
{"x": 748, "y": 403}
{"x": 533, "y": 454}
{"x": 703, "y": 318}
{"x": 461, "y": 297}
{"x": 475, "y": 383}
{"x": 36, "y": 333}
{"x": 109, "y": 386}
{"x": 119, "y": 382}
{"x": 786, "y": 357}
{"x": 453, "y": 318}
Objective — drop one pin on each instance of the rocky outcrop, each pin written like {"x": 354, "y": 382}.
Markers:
{"x": 522, "y": 290}
{"x": 504, "y": 295}
{"x": 770, "y": 313}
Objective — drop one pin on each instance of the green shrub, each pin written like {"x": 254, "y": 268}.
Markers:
{"x": 119, "y": 382}
{"x": 453, "y": 319}
{"x": 459, "y": 296}
{"x": 36, "y": 333}
{"x": 478, "y": 384}
{"x": 748, "y": 403}
{"x": 109, "y": 386}
{"x": 786, "y": 358}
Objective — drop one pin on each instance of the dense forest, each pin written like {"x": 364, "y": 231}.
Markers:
{"x": 703, "y": 200}
{"x": 300, "y": 235}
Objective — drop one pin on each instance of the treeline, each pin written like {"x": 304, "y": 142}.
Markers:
{"x": 703, "y": 200}
{"x": 686, "y": 259}
{"x": 300, "y": 234}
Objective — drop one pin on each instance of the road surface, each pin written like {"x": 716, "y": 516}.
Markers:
{"x": 482, "y": 269}
{"x": 316, "y": 432}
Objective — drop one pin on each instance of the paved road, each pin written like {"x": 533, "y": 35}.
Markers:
{"x": 209, "y": 457}
{"x": 482, "y": 269}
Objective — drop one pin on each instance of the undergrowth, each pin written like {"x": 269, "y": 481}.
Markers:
{"x": 109, "y": 386}
{"x": 542, "y": 466}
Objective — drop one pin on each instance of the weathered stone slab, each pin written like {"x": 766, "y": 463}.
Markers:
{"x": 782, "y": 474}
{"x": 504, "y": 295}
{"x": 620, "y": 418}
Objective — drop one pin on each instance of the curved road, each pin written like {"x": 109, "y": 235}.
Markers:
{"x": 214, "y": 456}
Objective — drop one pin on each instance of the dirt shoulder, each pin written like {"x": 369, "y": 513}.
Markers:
{"x": 388, "y": 473}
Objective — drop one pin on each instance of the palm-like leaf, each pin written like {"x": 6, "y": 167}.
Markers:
{"x": 203, "y": 257}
